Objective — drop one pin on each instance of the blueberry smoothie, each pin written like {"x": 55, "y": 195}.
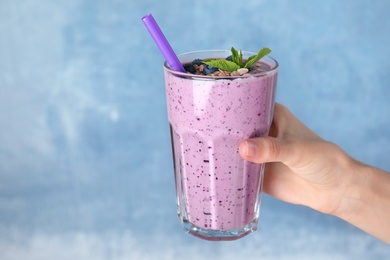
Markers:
{"x": 218, "y": 193}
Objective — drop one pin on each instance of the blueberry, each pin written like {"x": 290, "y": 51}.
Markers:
{"x": 229, "y": 58}
{"x": 197, "y": 62}
{"x": 189, "y": 68}
{"x": 209, "y": 69}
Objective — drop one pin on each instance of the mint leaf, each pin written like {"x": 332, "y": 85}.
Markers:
{"x": 223, "y": 64}
{"x": 253, "y": 59}
{"x": 237, "y": 58}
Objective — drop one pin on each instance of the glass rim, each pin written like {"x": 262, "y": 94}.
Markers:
{"x": 205, "y": 77}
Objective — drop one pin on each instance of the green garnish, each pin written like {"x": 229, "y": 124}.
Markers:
{"x": 237, "y": 57}
{"x": 237, "y": 62}
{"x": 223, "y": 64}
{"x": 253, "y": 59}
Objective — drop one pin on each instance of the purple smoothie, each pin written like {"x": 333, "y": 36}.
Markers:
{"x": 218, "y": 193}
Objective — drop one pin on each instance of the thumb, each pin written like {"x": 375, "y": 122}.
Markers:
{"x": 264, "y": 149}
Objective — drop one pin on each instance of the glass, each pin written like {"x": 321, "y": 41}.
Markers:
{"x": 218, "y": 193}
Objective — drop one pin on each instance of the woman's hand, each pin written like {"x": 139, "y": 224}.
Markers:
{"x": 304, "y": 169}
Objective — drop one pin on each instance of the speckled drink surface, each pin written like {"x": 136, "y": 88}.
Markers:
{"x": 216, "y": 189}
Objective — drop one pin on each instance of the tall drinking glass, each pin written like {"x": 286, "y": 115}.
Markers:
{"x": 218, "y": 193}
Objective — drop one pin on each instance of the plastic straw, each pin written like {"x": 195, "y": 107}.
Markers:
{"x": 162, "y": 43}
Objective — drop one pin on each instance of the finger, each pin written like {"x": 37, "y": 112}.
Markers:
{"x": 265, "y": 149}
{"x": 281, "y": 183}
{"x": 281, "y": 121}
{"x": 285, "y": 123}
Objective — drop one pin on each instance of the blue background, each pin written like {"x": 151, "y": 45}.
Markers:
{"x": 85, "y": 157}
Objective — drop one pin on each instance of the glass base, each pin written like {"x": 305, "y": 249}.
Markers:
{"x": 220, "y": 235}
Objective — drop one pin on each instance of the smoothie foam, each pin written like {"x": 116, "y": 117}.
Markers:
{"x": 216, "y": 189}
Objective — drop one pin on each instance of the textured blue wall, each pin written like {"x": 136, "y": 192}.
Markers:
{"x": 85, "y": 163}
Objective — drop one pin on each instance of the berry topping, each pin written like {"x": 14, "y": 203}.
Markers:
{"x": 209, "y": 69}
{"x": 197, "y": 62}
{"x": 189, "y": 68}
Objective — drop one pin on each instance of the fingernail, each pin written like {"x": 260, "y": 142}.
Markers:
{"x": 251, "y": 148}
